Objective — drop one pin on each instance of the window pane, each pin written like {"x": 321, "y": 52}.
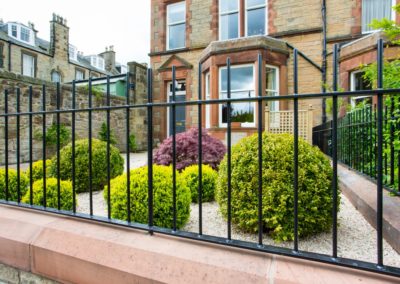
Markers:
{"x": 79, "y": 75}
{"x": 25, "y": 34}
{"x": 230, "y": 26}
{"x": 271, "y": 79}
{"x": 55, "y": 77}
{"x": 241, "y": 79}
{"x": 375, "y": 9}
{"x": 240, "y": 112}
{"x": 176, "y": 36}
{"x": 256, "y": 22}
{"x": 228, "y": 6}
{"x": 14, "y": 31}
{"x": 252, "y": 3}
{"x": 360, "y": 83}
{"x": 176, "y": 13}
{"x": 28, "y": 65}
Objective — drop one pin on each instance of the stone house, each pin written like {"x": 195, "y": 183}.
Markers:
{"x": 186, "y": 33}
{"x": 23, "y": 52}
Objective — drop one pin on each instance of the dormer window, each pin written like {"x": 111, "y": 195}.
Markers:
{"x": 73, "y": 53}
{"x": 21, "y": 33}
{"x": 14, "y": 31}
{"x": 97, "y": 61}
{"x": 25, "y": 34}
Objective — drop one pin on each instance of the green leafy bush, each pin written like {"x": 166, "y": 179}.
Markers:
{"x": 12, "y": 184}
{"x": 99, "y": 164}
{"x": 191, "y": 176}
{"x": 37, "y": 170}
{"x": 66, "y": 194}
{"x": 315, "y": 176}
{"x": 51, "y": 135}
{"x": 103, "y": 134}
{"x": 132, "y": 143}
{"x": 162, "y": 196}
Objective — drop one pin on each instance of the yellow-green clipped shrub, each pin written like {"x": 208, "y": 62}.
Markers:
{"x": 209, "y": 178}
{"x": 162, "y": 197}
{"x": 66, "y": 194}
{"x": 37, "y": 170}
{"x": 99, "y": 164}
{"x": 12, "y": 185}
{"x": 315, "y": 176}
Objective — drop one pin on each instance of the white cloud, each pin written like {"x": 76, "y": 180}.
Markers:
{"x": 93, "y": 24}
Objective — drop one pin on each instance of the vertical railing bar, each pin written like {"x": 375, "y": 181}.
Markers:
{"x": 372, "y": 143}
{"x": 150, "y": 147}
{"x": 260, "y": 145}
{"x": 379, "y": 224}
{"x": 108, "y": 151}
{"x": 128, "y": 157}
{"x": 296, "y": 151}
{"x": 6, "y": 142}
{"x": 30, "y": 146}
{"x": 229, "y": 151}
{"x": 44, "y": 146}
{"x": 376, "y": 143}
{"x": 385, "y": 121}
{"x": 362, "y": 140}
{"x": 58, "y": 148}
{"x": 90, "y": 149}
{"x": 334, "y": 152}
{"x": 174, "y": 146}
{"x": 73, "y": 145}
{"x": 200, "y": 188}
{"x": 392, "y": 157}
{"x": 18, "y": 146}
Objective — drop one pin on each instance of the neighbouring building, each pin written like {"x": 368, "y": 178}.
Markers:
{"x": 186, "y": 33}
{"x": 23, "y": 52}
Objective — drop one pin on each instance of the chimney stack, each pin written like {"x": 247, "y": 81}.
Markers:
{"x": 59, "y": 37}
{"x": 109, "y": 59}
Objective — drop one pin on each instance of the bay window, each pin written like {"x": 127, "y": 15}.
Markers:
{"x": 376, "y": 9}
{"x": 272, "y": 90}
{"x": 256, "y": 17}
{"x": 228, "y": 19}
{"x": 176, "y": 25}
{"x": 28, "y": 65}
{"x": 359, "y": 83}
{"x": 242, "y": 86}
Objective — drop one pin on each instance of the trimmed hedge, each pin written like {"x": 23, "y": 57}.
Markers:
{"x": 12, "y": 184}
{"x": 315, "y": 176}
{"x": 37, "y": 170}
{"x": 162, "y": 196}
{"x": 191, "y": 176}
{"x": 66, "y": 194}
{"x": 99, "y": 164}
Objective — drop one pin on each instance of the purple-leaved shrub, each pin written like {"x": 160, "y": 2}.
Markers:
{"x": 187, "y": 150}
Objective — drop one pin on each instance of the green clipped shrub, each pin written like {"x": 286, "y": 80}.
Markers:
{"x": 99, "y": 164}
{"x": 37, "y": 170}
{"x": 103, "y": 135}
{"x": 162, "y": 196}
{"x": 66, "y": 194}
{"x": 315, "y": 176}
{"x": 132, "y": 143}
{"x": 191, "y": 176}
{"x": 12, "y": 185}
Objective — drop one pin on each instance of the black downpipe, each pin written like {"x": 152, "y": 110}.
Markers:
{"x": 324, "y": 58}
{"x": 9, "y": 56}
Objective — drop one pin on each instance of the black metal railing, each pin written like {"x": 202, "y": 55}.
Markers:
{"x": 260, "y": 245}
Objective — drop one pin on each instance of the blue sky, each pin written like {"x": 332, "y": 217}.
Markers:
{"x": 93, "y": 24}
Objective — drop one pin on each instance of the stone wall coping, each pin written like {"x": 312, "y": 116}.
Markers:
{"x": 361, "y": 45}
{"x": 72, "y": 250}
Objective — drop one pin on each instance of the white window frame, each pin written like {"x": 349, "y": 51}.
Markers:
{"x": 33, "y": 67}
{"x": 393, "y": 18}
{"x": 13, "y": 26}
{"x": 253, "y": 94}
{"x": 73, "y": 52}
{"x": 175, "y": 24}
{"x": 265, "y": 5}
{"x": 277, "y": 80}
{"x": 76, "y": 75}
{"x": 169, "y": 94}
{"x": 228, "y": 13}
{"x": 353, "y": 87}
{"x": 27, "y": 33}
{"x": 208, "y": 97}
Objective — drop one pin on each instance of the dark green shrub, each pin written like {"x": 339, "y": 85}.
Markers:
{"x": 163, "y": 199}
{"x": 12, "y": 185}
{"x": 99, "y": 164}
{"x": 66, "y": 194}
{"x": 51, "y": 135}
{"x": 37, "y": 170}
{"x": 132, "y": 143}
{"x": 315, "y": 176}
{"x": 191, "y": 176}
{"x": 103, "y": 134}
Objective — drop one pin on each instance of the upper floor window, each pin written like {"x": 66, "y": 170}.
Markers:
{"x": 176, "y": 25}
{"x": 14, "y": 31}
{"x": 1, "y": 56}
{"x": 97, "y": 62}
{"x": 73, "y": 53}
{"x": 228, "y": 19}
{"x": 21, "y": 33}
{"x": 25, "y": 34}
{"x": 28, "y": 65}
{"x": 55, "y": 77}
{"x": 256, "y": 17}
{"x": 79, "y": 75}
{"x": 376, "y": 9}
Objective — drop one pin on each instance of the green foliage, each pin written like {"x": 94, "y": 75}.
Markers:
{"x": 315, "y": 177}
{"x": 51, "y": 135}
{"x": 390, "y": 28}
{"x": 191, "y": 176}
{"x": 97, "y": 92}
{"x": 37, "y": 170}
{"x": 163, "y": 197}
{"x": 103, "y": 135}
{"x": 242, "y": 116}
{"x": 132, "y": 143}
{"x": 99, "y": 164}
{"x": 12, "y": 184}
{"x": 66, "y": 194}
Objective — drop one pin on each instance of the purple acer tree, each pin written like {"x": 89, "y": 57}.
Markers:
{"x": 187, "y": 150}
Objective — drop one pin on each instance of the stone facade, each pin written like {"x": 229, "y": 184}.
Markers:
{"x": 11, "y": 275}
{"x": 11, "y": 82}
{"x": 298, "y": 23}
